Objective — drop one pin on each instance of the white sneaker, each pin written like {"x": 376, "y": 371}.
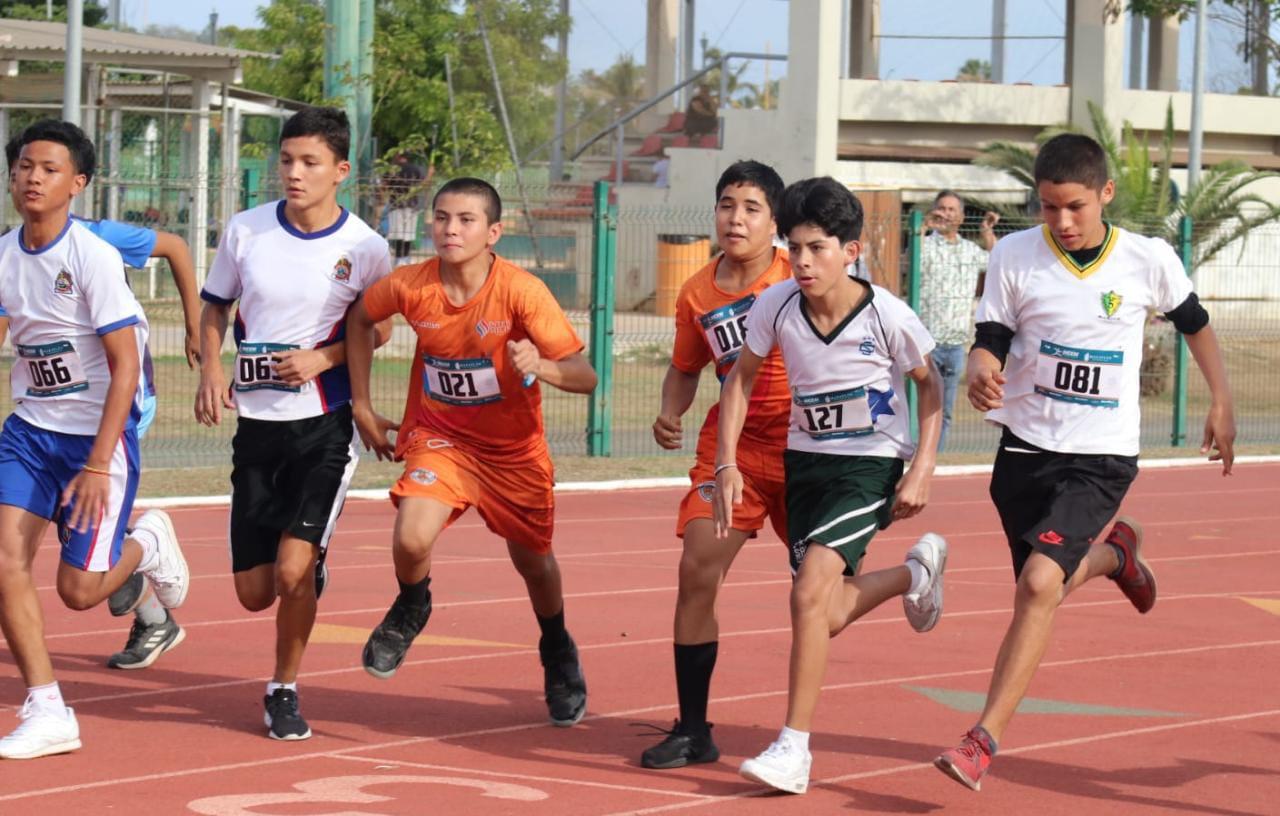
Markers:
{"x": 165, "y": 567}
{"x": 924, "y": 608}
{"x": 783, "y": 765}
{"x": 41, "y": 733}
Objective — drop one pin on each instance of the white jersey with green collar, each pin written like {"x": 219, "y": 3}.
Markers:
{"x": 848, "y": 393}
{"x": 1072, "y": 369}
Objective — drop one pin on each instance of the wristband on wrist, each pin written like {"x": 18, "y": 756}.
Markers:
{"x": 98, "y": 471}
{"x": 725, "y": 466}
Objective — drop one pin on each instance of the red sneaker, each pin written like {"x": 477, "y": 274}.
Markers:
{"x": 1134, "y": 578}
{"x": 968, "y": 762}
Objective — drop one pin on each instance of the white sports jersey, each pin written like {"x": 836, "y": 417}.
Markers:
{"x": 294, "y": 289}
{"x": 60, "y": 301}
{"x": 1072, "y": 370}
{"x": 848, "y": 395}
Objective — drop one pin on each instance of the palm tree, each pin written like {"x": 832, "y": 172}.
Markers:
{"x": 1146, "y": 199}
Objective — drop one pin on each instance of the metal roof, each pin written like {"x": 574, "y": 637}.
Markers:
{"x": 34, "y": 40}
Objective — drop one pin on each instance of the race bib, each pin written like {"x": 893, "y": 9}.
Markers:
{"x": 460, "y": 382}
{"x": 256, "y": 367}
{"x": 726, "y": 329}
{"x": 51, "y": 370}
{"x": 1081, "y": 376}
{"x": 836, "y": 415}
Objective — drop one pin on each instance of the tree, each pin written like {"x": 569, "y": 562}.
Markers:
{"x": 974, "y": 70}
{"x": 596, "y": 99}
{"x": 1251, "y": 17}
{"x": 94, "y": 13}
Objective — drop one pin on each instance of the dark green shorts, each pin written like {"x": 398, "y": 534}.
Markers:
{"x": 838, "y": 501}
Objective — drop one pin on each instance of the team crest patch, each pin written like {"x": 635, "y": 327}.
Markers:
{"x": 1111, "y": 303}
{"x": 798, "y": 550}
{"x": 62, "y": 284}
{"x": 423, "y": 476}
{"x": 342, "y": 270}
{"x": 487, "y": 327}
{"x": 867, "y": 346}
{"x": 706, "y": 491}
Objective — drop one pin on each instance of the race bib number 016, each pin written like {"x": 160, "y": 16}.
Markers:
{"x": 460, "y": 382}
{"x": 1080, "y": 376}
{"x": 52, "y": 370}
{"x": 726, "y": 329}
{"x": 835, "y": 415}
{"x": 256, "y": 367}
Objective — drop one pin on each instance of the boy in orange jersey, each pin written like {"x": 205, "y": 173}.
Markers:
{"x": 711, "y": 313}
{"x": 472, "y": 433}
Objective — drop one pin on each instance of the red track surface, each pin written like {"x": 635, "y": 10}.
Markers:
{"x": 462, "y": 727}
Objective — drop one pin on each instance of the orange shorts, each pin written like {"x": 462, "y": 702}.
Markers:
{"x": 514, "y": 497}
{"x": 763, "y": 486}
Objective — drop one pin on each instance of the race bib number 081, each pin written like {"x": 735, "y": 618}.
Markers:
{"x": 52, "y": 370}
{"x": 1081, "y": 376}
{"x": 460, "y": 382}
{"x": 256, "y": 367}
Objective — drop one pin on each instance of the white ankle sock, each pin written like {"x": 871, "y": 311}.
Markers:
{"x": 273, "y": 685}
{"x": 919, "y": 577}
{"x": 47, "y": 699}
{"x": 149, "y": 610}
{"x": 800, "y": 739}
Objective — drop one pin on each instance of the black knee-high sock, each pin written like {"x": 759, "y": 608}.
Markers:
{"x": 418, "y": 594}
{"x": 694, "y": 665}
{"x": 554, "y": 636}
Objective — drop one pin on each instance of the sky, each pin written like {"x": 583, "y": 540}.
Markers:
{"x": 605, "y": 29}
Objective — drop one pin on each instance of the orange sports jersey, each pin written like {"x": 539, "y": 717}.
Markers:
{"x": 463, "y": 387}
{"x": 710, "y": 327}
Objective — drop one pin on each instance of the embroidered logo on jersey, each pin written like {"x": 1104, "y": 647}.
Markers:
{"x": 342, "y": 270}
{"x": 423, "y": 476}
{"x": 487, "y": 327}
{"x": 798, "y": 549}
{"x": 867, "y": 346}
{"x": 62, "y": 284}
{"x": 706, "y": 491}
{"x": 424, "y": 324}
{"x": 1051, "y": 538}
{"x": 880, "y": 402}
{"x": 1111, "y": 303}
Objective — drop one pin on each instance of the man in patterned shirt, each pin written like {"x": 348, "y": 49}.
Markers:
{"x": 950, "y": 270}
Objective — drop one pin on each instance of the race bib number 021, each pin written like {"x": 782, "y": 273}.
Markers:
{"x": 1081, "y": 376}
{"x": 460, "y": 382}
{"x": 256, "y": 367}
{"x": 835, "y": 415}
{"x": 52, "y": 370}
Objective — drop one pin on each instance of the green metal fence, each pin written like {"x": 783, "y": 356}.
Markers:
{"x": 615, "y": 270}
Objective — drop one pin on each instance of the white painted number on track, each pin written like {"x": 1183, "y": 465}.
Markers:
{"x": 350, "y": 790}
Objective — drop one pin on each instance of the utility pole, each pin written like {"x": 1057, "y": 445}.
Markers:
{"x": 1197, "y": 100}
{"x": 73, "y": 67}
{"x": 562, "y": 92}
{"x": 997, "y": 40}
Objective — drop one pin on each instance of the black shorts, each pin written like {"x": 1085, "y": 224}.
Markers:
{"x": 1056, "y": 504}
{"x": 288, "y": 477}
{"x": 838, "y": 501}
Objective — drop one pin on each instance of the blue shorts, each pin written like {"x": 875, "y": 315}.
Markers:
{"x": 36, "y": 465}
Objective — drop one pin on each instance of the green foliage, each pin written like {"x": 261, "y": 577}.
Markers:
{"x": 1146, "y": 200}
{"x": 974, "y": 70}
{"x": 94, "y": 13}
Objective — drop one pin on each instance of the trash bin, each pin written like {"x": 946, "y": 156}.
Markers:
{"x": 679, "y": 257}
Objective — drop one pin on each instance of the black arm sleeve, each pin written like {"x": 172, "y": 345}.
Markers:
{"x": 1190, "y": 317}
{"x": 995, "y": 338}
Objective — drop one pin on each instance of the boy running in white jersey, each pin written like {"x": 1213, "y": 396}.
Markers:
{"x": 295, "y": 266}
{"x": 847, "y": 346}
{"x": 69, "y": 451}
{"x": 1056, "y": 362}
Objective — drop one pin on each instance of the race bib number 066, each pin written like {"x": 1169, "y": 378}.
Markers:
{"x": 1081, "y": 376}
{"x": 52, "y": 370}
{"x": 256, "y": 367}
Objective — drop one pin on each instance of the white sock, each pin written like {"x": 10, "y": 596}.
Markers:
{"x": 273, "y": 685}
{"x": 800, "y": 739}
{"x": 150, "y": 548}
{"x": 47, "y": 699}
{"x": 149, "y": 610}
{"x": 919, "y": 577}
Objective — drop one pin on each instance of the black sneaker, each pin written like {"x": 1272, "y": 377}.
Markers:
{"x": 146, "y": 643}
{"x": 566, "y": 688}
{"x": 683, "y": 746}
{"x": 387, "y": 645}
{"x": 322, "y": 576}
{"x": 283, "y": 720}
{"x": 126, "y": 599}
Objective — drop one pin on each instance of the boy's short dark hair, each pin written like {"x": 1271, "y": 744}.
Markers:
{"x": 330, "y": 125}
{"x": 83, "y": 157}
{"x": 1072, "y": 158}
{"x": 823, "y": 202}
{"x": 469, "y": 185}
{"x": 757, "y": 174}
{"x": 948, "y": 194}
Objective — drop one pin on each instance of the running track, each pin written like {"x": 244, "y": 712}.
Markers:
{"x": 1174, "y": 712}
